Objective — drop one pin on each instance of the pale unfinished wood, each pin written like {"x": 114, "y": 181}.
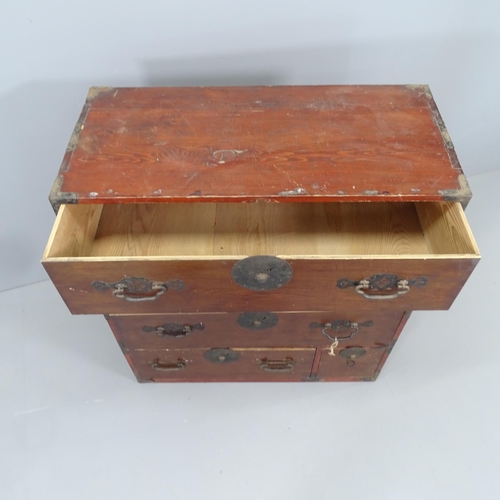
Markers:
{"x": 151, "y": 229}
{"x": 234, "y": 230}
{"x": 238, "y": 229}
{"x": 74, "y": 231}
{"x": 446, "y": 229}
{"x": 318, "y": 229}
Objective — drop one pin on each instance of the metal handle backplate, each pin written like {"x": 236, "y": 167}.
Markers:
{"x": 385, "y": 283}
{"x": 364, "y": 285}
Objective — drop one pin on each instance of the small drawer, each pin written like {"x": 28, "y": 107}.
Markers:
{"x": 353, "y": 362}
{"x": 254, "y": 329}
{"x": 204, "y": 257}
{"x": 222, "y": 365}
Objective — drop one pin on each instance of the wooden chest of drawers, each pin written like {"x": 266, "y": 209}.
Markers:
{"x": 259, "y": 233}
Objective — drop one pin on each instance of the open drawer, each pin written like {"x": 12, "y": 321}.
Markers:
{"x": 206, "y": 257}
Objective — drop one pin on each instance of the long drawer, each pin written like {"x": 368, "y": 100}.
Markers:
{"x": 206, "y": 257}
{"x": 222, "y": 365}
{"x": 254, "y": 329}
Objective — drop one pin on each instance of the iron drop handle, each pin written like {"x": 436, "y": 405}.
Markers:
{"x": 165, "y": 366}
{"x": 121, "y": 292}
{"x": 277, "y": 365}
{"x": 134, "y": 289}
{"x": 174, "y": 330}
{"x": 403, "y": 289}
{"x": 382, "y": 283}
{"x": 339, "y": 326}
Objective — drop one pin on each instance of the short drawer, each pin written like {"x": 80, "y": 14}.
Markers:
{"x": 254, "y": 329}
{"x": 205, "y": 257}
{"x": 222, "y": 365}
{"x": 352, "y": 363}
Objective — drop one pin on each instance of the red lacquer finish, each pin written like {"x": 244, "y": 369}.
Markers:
{"x": 202, "y": 304}
{"x": 208, "y": 285}
{"x": 301, "y": 329}
{"x": 288, "y": 144}
{"x": 248, "y": 365}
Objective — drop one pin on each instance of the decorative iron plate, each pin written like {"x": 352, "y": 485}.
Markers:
{"x": 257, "y": 320}
{"x": 353, "y": 352}
{"x": 221, "y": 356}
{"x": 382, "y": 282}
{"x": 262, "y": 272}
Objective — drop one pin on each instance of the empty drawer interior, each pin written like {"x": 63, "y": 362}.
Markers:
{"x": 218, "y": 230}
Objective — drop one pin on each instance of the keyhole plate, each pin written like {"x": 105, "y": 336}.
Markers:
{"x": 221, "y": 356}
{"x": 262, "y": 272}
{"x": 257, "y": 320}
{"x": 353, "y": 352}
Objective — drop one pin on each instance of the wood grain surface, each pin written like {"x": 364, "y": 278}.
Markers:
{"x": 337, "y": 368}
{"x": 309, "y": 143}
{"x": 248, "y": 368}
{"x": 215, "y": 230}
{"x": 340, "y": 369}
{"x": 208, "y": 286}
{"x": 184, "y": 229}
{"x": 137, "y": 332}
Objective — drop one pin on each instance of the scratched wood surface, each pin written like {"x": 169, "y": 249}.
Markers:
{"x": 314, "y": 143}
{"x": 252, "y": 365}
{"x": 137, "y": 331}
{"x": 209, "y": 287}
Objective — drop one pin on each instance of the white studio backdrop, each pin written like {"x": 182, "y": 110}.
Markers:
{"x": 52, "y": 51}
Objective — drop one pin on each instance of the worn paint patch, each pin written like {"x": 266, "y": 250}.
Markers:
{"x": 370, "y": 192}
{"x": 224, "y": 155}
{"x": 293, "y": 192}
{"x": 422, "y": 87}
{"x": 442, "y": 128}
{"x": 462, "y": 194}
{"x": 88, "y": 144}
{"x": 95, "y": 91}
{"x": 73, "y": 140}
{"x": 58, "y": 197}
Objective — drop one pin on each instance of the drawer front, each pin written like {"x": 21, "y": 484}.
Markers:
{"x": 352, "y": 363}
{"x": 163, "y": 286}
{"x": 254, "y": 329}
{"x": 355, "y": 360}
{"x": 222, "y": 365}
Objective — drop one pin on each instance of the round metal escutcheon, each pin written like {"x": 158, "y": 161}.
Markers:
{"x": 221, "y": 356}
{"x": 262, "y": 272}
{"x": 257, "y": 320}
{"x": 353, "y": 352}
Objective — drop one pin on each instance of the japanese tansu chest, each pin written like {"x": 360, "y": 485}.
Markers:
{"x": 259, "y": 233}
